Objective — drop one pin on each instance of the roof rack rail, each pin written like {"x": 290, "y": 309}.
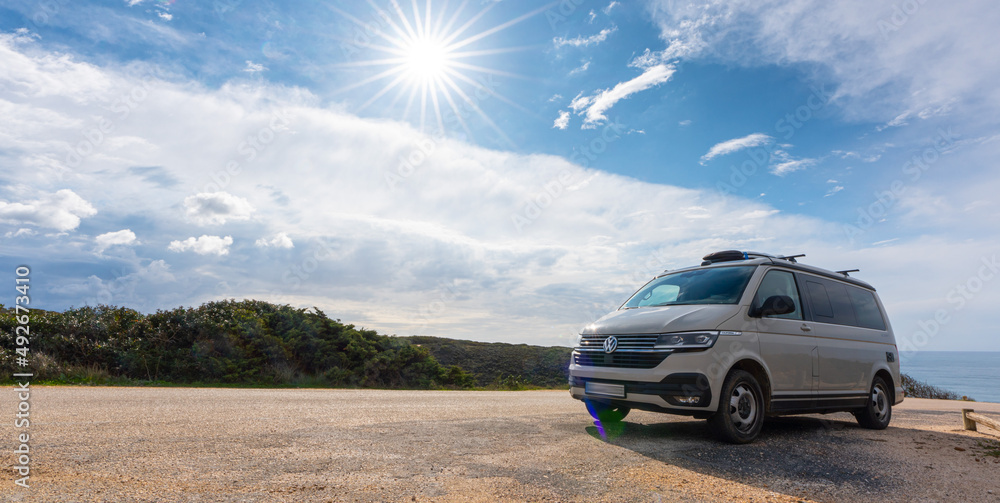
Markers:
{"x": 845, "y": 271}
{"x": 731, "y": 255}
{"x": 791, "y": 258}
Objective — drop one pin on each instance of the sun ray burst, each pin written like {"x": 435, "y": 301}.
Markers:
{"x": 418, "y": 49}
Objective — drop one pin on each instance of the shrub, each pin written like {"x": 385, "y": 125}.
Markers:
{"x": 234, "y": 342}
{"x": 919, "y": 389}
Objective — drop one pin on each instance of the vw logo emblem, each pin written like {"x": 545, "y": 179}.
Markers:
{"x": 610, "y": 344}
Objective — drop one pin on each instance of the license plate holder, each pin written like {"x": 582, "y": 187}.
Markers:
{"x": 605, "y": 389}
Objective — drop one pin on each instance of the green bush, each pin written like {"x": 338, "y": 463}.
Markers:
{"x": 919, "y": 389}
{"x": 244, "y": 342}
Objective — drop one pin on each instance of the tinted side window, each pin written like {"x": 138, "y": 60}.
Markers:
{"x": 865, "y": 308}
{"x": 822, "y": 310}
{"x": 779, "y": 283}
{"x": 830, "y": 303}
{"x": 843, "y": 311}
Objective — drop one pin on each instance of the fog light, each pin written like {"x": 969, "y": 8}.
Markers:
{"x": 688, "y": 400}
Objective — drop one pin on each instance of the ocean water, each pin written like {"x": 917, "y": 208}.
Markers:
{"x": 971, "y": 373}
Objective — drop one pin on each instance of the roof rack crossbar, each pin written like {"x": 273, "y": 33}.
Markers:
{"x": 846, "y": 271}
{"x": 791, "y": 258}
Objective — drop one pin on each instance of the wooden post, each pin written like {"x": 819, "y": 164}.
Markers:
{"x": 968, "y": 423}
{"x": 984, "y": 420}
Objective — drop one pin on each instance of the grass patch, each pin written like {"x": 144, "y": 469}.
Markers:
{"x": 990, "y": 448}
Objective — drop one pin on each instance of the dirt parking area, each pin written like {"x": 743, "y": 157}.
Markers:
{"x": 249, "y": 445}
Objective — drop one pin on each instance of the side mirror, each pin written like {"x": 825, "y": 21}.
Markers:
{"x": 775, "y": 305}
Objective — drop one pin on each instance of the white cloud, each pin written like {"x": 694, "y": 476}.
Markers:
{"x": 783, "y": 163}
{"x": 759, "y": 214}
{"x": 854, "y": 155}
{"x": 684, "y": 123}
{"x": 580, "y": 69}
{"x": 166, "y": 16}
{"x": 585, "y": 41}
{"x": 612, "y": 5}
{"x": 735, "y": 145}
{"x": 834, "y": 190}
{"x": 133, "y": 3}
{"x": 204, "y": 245}
{"x": 61, "y": 211}
{"x": 593, "y": 107}
{"x": 898, "y": 121}
{"x": 877, "y": 56}
{"x": 213, "y": 208}
{"x": 580, "y": 102}
{"x": 591, "y": 16}
{"x": 280, "y": 240}
{"x": 24, "y": 36}
{"x": 562, "y": 121}
{"x": 253, "y": 68}
{"x": 786, "y": 167}
{"x": 934, "y": 111}
{"x": 20, "y": 232}
{"x": 884, "y": 241}
{"x": 109, "y": 239}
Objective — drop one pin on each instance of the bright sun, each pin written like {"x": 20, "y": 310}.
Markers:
{"x": 431, "y": 63}
{"x": 426, "y": 60}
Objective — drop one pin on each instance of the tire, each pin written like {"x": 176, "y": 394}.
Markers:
{"x": 605, "y": 413}
{"x": 741, "y": 409}
{"x": 878, "y": 411}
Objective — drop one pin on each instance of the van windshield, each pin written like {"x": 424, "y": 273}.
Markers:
{"x": 719, "y": 285}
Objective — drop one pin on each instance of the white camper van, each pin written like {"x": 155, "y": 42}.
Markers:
{"x": 742, "y": 336}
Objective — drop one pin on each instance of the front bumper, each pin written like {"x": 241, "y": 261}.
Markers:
{"x": 690, "y": 391}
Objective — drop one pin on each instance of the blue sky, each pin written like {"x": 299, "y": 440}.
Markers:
{"x": 502, "y": 171}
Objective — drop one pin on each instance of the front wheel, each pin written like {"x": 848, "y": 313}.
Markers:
{"x": 741, "y": 409}
{"x": 605, "y": 413}
{"x": 877, "y": 413}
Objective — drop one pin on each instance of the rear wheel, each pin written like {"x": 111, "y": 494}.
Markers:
{"x": 741, "y": 409}
{"x": 878, "y": 411}
{"x": 605, "y": 413}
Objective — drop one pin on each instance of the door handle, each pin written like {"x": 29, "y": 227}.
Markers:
{"x": 805, "y": 328}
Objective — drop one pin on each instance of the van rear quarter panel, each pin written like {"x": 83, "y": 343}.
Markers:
{"x": 847, "y": 356}
{"x": 893, "y": 367}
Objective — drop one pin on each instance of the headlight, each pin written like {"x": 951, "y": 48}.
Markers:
{"x": 687, "y": 340}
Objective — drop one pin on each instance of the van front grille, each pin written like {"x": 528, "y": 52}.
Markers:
{"x": 623, "y": 359}
{"x": 632, "y": 341}
{"x": 634, "y": 351}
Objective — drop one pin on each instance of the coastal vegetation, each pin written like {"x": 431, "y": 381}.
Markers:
{"x": 224, "y": 342}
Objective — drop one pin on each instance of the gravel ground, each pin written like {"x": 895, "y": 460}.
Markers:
{"x": 182, "y": 444}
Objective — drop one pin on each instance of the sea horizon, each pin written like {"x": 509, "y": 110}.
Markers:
{"x": 967, "y": 373}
